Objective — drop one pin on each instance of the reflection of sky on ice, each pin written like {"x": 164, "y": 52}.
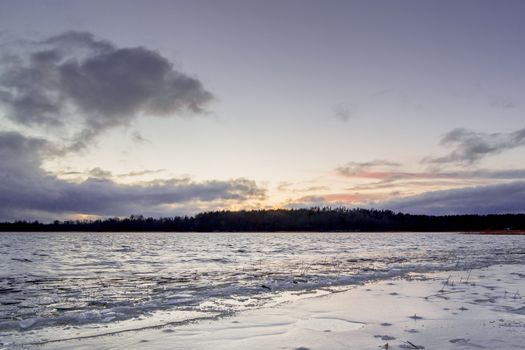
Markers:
{"x": 93, "y": 278}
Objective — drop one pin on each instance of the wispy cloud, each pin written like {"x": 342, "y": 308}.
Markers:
{"x": 345, "y": 199}
{"x": 503, "y": 103}
{"x": 137, "y": 137}
{"x": 295, "y": 188}
{"x": 391, "y": 176}
{"x": 344, "y": 111}
{"x": 370, "y": 169}
{"x": 141, "y": 173}
{"x": 469, "y": 147}
{"x": 98, "y": 172}
{"x": 312, "y": 201}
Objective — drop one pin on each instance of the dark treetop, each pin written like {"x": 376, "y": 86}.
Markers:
{"x": 314, "y": 219}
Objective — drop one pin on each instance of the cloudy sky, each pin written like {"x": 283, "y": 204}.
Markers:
{"x": 112, "y": 108}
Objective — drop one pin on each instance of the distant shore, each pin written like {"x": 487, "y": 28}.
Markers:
{"x": 496, "y": 232}
{"x": 288, "y": 220}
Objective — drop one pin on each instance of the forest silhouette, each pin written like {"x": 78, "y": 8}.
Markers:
{"x": 308, "y": 220}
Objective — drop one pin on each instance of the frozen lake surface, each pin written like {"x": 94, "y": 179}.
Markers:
{"x": 66, "y": 285}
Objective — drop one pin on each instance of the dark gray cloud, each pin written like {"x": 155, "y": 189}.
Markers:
{"x": 100, "y": 173}
{"x": 26, "y": 190}
{"x": 493, "y": 199}
{"x": 469, "y": 147}
{"x": 77, "y": 81}
{"x": 493, "y": 174}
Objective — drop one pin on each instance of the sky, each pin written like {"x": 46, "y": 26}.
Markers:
{"x": 163, "y": 108}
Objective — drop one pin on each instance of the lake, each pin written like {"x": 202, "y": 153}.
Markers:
{"x": 66, "y": 285}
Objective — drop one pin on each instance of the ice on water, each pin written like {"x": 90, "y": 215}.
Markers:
{"x": 90, "y": 283}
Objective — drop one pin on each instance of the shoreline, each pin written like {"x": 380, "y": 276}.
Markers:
{"x": 480, "y": 308}
{"x": 463, "y": 231}
{"x": 495, "y": 232}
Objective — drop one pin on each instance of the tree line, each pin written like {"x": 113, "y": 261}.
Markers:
{"x": 313, "y": 219}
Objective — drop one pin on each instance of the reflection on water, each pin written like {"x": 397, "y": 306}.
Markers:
{"x": 70, "y": 279}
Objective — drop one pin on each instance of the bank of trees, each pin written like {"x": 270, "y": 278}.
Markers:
{"x": 313, "y": 219}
